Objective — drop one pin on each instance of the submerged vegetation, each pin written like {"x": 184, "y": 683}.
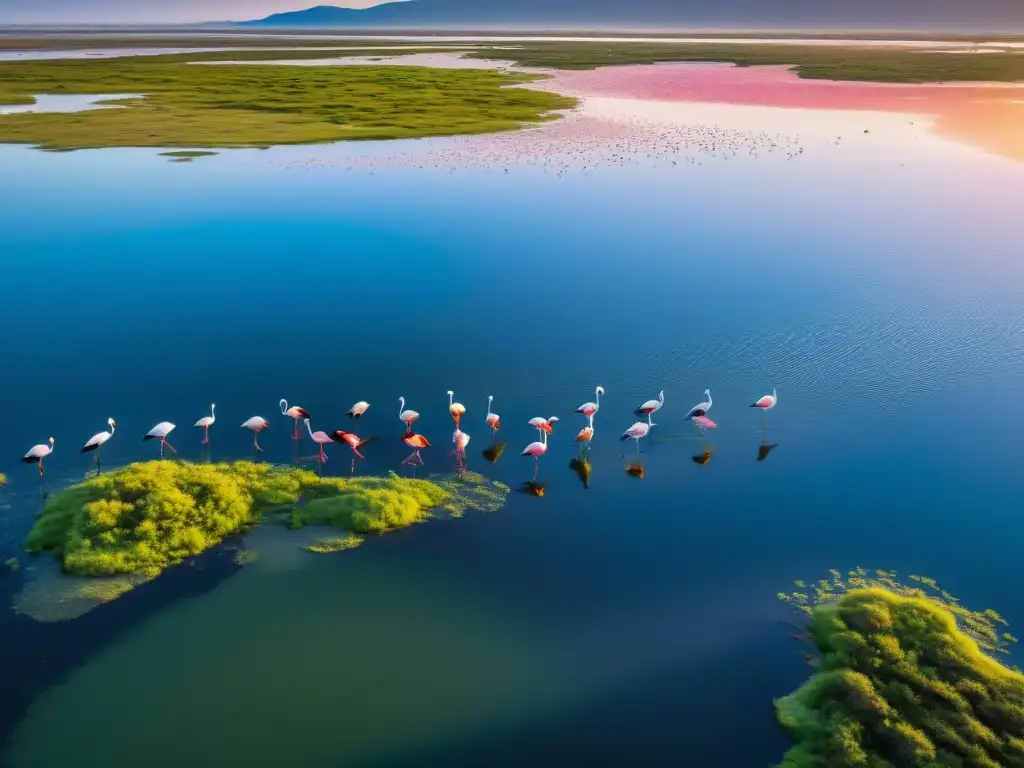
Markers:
{"x": 187, "y": 155}
{"x": 335, "y": 544}
{"x": 188, "y": 104}
{"x": 903, "y": 679}
{"x": 145, "y": 517}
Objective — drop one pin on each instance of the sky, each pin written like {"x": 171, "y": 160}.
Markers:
{"x": 1005, "y": 15}
{"x": 152, "y": 11}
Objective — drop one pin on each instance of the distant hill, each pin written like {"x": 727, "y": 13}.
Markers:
{"x": 929, "y": 15}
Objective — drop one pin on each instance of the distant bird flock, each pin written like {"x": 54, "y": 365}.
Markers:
{"x": 414, "y": 441}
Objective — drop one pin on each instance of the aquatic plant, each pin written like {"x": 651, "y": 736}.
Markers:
{"x": 190, "y": 105}
{"x": 335, "y": 544}
{"x": 246, "y": 557}
{"x": 145, "y": 517}
{"x": 901, "y": 681}
{"x": 3, "y": 479}
{"x": 981, "y": 626}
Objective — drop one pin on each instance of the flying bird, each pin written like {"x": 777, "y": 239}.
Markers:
{"x": 297, "y": 413}
{"x": 407, "y": 416}
{"x": 37, "y": 453}
{"x": 650, "y": 407}
{"x": 358, "y": 409}
{"x": 206, "y": 422}
{"x": 256, "y": 424}
{"x": 160, "y": 432}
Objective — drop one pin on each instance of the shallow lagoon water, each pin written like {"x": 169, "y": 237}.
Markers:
{"x": 634, "y": 619}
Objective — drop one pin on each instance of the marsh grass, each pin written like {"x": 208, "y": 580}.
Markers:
{"x": 145, "y": 517}
{"x": 820, "y": 62}
{"x": 192, "y": 105}
{"x": 187, "y": 155}
{"x": 901, "y": 680}
{"x": 334, "y": 544}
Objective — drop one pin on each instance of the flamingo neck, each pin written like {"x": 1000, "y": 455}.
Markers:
{"x": 112, "y": 428}
{"x": 401, "y": 406}
{"x": 451, "y": 397}
{"x": 213, "y": 411}
{"x": 284, "y": 406}
{"x": 310, "y": 430}
{"x": 598, "y": 393}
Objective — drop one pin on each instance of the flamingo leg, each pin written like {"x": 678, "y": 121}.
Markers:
{"x": 206, "y": 436}
{"x": 163, "y": 443}
{"x": 536, "y": 467}
{"x": 357, "y": 453}
{"x": 41, "y": 470}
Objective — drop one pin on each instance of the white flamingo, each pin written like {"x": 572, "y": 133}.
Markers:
{"x": 407, "y": 416}
{"x": 256, "y": 425}
{"x": 96, "y": 442}
{"x": 206, "y": 422}
{"x": 160, "y": 432}
{"x": 296, "y": 413}
{"x": 37, "y": 453}
{"x": 636, "y": 432}
{"x": 650, "y": 407}
{"x": 358, "y": 409}
{"x": 493, "y": 419}
{"x": 701, "y": 409}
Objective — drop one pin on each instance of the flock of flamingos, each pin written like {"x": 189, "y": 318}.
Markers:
{"x": 415, "y": 441}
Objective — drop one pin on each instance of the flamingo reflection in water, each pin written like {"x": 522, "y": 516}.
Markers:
{"x": 581, "y": 466}
{"x": 460, "y": 439}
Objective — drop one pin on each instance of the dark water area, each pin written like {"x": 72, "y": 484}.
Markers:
{"x": 634, "y": 619}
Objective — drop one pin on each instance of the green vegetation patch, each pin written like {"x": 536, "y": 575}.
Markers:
{"x": 192, "y": 105}
{"x": 335, "y": 544}
{"x": 901, "y": 681}
{"x": 821, "y": 62}
{"x": 145, "y": 517}
{"x": 3, "y": 479}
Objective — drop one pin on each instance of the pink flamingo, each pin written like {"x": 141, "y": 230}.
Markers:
{"x": 321, "y": 439}
{"x": 586, "y": 434}
{"x": 493, "y": 419}
{"x": 296, "y": 413}
{"x": 636, "y": 432}
{"x": 589, "y": 409}
{"x": 543, "y": 425}
{"x": 457, "y": 410}
{"x": 354, "y": 442}
{"x": 537, "y": 450}
{"x": 766, "y": 403}
{"x": 416, "y": 442}
{"x": 461, "y": 440}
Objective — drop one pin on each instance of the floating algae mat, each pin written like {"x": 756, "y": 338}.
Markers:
{"x": 112, "y": 532}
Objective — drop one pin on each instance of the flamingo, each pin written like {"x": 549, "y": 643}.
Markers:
{"x": 96, "y": 442}
{"x": 353, "y": 441}
{"x": 416, "y": 442}
{"x": 589, "y": 409}
{"x": 493, "y": 419}
{"x": 256, "y": 424}
{"x": 766, "y": 403}
{"x": 537, "y": 449}
{"x": 650, "y": 407}
{"x": 296, "y": 413}
{"x": 461, "y": 440}
{"x": 701, "y": 409}
{"x": 407, "y": 416}
{"x": 586, "y": 434}
{"x": 358, "y": 409}
{"x": 321, "y": 439}
{"x": 636, "y": 432}
{"x": 455, "y": 409}
{"x": 160, "y": 432}
{"x": 206, "y": 422}
{"x": 37, "y": 453}
{"x": 542, "y": 425}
